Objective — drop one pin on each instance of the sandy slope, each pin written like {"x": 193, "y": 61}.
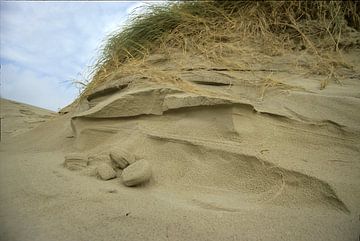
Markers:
{"x": 227, "y": 163}
{"x": 17, "y": 118}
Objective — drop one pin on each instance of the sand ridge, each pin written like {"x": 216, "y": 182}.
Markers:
{"x": 17, "y": 118}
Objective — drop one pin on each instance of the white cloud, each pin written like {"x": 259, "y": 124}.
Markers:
{"x": 33, "y": 88}
{"x": 46, "y": 43}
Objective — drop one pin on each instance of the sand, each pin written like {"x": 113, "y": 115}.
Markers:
{"x": 17, "y": 118}
{"x": 228, "y": 162}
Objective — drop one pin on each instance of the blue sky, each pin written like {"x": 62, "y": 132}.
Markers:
{"x": 46, "y": 44}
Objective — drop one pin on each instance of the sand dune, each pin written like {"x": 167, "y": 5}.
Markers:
{"x": 227, "y": 162}
{"x": 203, "y": 120}
{"x": 17, "y": 118}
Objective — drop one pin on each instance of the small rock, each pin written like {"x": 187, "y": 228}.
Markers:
{"x": 75, "y": 161}
{"x": 105, "y": 171}
{"x": 122, "y": 158}
{"x": 137, "y": 173}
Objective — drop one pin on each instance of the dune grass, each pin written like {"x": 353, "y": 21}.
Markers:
{"x": 198, "y": 25}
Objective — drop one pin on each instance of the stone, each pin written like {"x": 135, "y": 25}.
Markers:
{"x": 75, "y": 161}
{"x": 105, "y": 171}
{"x": 136, "y": 173}
{"x": 122, "y": 158}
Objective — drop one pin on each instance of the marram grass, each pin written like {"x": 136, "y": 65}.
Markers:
{"x": 195, "y": 25}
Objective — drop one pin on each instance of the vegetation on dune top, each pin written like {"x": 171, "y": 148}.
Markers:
{"x": 195, "y": 25}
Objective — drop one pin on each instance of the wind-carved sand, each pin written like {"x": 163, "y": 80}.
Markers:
{"x": 17, "y": 118}
{"x": 217, "y": 153}
{"x": 226, "y": 135}
{"x": 148, "y": 155}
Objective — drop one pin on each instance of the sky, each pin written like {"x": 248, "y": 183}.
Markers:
{"x": 45, "y": 45}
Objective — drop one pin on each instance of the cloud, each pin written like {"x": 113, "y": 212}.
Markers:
{"x": 28, "y": 86}
{"x": 45, "y": 43}
{"x": 40, "y": 34}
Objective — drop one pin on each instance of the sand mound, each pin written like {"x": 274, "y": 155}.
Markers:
{"x": 17, "y": 118}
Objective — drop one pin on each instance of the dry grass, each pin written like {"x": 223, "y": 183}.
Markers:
{"x": 270, "y": 82}
{"x": 218, "y": 29}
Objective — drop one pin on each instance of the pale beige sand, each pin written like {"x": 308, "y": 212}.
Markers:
{"x": 17, "y": 118}
{"x": 227, "y": 164}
